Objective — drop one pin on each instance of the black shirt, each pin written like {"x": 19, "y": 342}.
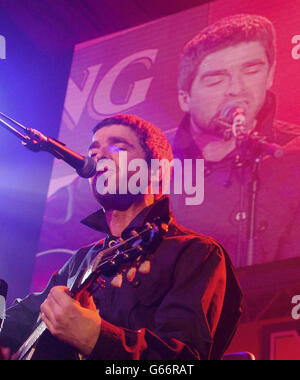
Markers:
{"x": 187, "y": 307}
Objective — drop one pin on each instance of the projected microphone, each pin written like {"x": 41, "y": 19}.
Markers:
{"x": 85, "y": 166}
{"x": 231, "y": 121}
{"x": 3, "y": 295}
{"x": 235, "y": 114}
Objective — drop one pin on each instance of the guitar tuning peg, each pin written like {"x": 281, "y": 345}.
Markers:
{"x": 131, "y": 274}
{"x": 139, "y": 249}
{"x": 145, "y": 267}
{"x": 101, "y": 283}
{"x": 117, "y": 281}
{"x": 164, "y": 227}
{"x": 138, "y": 260}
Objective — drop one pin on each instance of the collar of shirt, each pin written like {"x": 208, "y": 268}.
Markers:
{"x": 160, "y": 208}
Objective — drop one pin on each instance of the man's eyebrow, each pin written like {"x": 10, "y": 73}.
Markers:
{"x": 255, "y": 62}
{"x": 111, "y": 140}
{"x": 116, "y": 140}
{"x": 212, "y": 73}
{"x": 94, "y": 145}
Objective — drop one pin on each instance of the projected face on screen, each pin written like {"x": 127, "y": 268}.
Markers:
{"x": 227, "y": 70}
{"x": 239, "y": 73}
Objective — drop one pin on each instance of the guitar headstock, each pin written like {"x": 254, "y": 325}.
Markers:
{"x": 135, "y": 244}
{"x": 131, "y": 252}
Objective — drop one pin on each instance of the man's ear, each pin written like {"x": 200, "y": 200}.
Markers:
{"x": 184, "y": 100}
{"x": 271, "y": 75}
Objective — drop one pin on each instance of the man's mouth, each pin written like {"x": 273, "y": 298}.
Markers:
{"x": 228, "y": 110}
{"x": 101, "y": 172}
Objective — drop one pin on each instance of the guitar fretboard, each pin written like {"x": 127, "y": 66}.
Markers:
{"x": 30, "y": 342}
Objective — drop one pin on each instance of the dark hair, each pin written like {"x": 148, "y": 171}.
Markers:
{"x": 226, "y": 32}
{"x": 152, "y": 139}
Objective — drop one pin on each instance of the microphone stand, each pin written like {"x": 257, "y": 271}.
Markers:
{"x": 253, "y": 194}
{"x": 25, "y": 139}
{"x": 251, "y": 149}
{"x": 241, "y": 162}
{"x": 36, "y": 142}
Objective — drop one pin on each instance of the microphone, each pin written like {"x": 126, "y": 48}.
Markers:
{"x": 85, "y": 166}
{"x": 238, "y": 120}
{"x": 3, "y": 295}
{"x": 231, "y": 120}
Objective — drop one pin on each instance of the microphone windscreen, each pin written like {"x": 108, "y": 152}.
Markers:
{"x": 3, "y": 288}
{"x": 89, "y": 168}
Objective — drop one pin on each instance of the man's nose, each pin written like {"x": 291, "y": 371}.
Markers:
{"x": 235, "y": 86}
{"x": 101, "y": 154}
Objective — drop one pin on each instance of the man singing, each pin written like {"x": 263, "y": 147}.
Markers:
{"x": 183, "y": 304}
{"x": 252, "y": 198}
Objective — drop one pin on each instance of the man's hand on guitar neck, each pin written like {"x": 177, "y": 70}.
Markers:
{"x": 76, "y": 323}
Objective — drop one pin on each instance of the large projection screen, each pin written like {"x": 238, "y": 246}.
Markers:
{"x": 135, "y": 72}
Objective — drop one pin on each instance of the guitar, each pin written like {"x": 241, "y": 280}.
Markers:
{"x": 135, "y": 248}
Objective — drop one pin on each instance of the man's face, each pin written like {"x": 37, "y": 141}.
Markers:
{"x": 236, "y": 74}
{"x": 107, "y": 143}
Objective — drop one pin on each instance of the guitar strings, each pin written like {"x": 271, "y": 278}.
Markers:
{"x": 110, "y": 253}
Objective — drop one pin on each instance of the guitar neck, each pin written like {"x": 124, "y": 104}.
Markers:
{"x": 30, "y": 342}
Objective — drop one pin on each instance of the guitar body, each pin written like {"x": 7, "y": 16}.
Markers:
{"x": 41, "y": 345}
